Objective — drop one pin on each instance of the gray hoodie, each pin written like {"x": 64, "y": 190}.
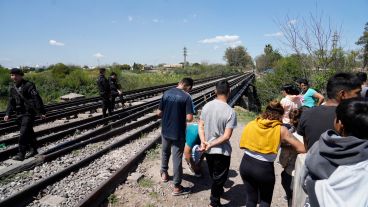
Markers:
{"x": 330, "y": 152}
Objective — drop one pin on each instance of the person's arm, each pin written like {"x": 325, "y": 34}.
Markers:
{"x": 159, "y": 113}
{"x": 113, "y": 89}
{"x": 189, "y": 109}
{"x": 320, "y": 98}
{"x": 38, "y": 103}
{"x": 202, "y": 135}
{"x": 301, "y": 128}
{"x": 220, "y": 140}
{"x": 189, "y": 117}
{"x": 160, "y": 107}
{"x": 101, "y": 88}
{"x": 294, "y": 142}
{"x": 231, "y": 124}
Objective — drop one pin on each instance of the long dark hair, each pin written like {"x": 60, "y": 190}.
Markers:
{"x": 353, "y": 114}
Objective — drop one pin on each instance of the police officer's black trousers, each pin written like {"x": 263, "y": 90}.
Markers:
{"x": 27, "y": 136}
{"x": 112, "y": 105}
{"x": 106, "y": 106}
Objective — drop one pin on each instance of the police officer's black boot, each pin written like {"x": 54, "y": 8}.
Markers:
{"x": 32, "y": 152}
{"x": 33, "y": 148}
{"x": 21, "y": 154}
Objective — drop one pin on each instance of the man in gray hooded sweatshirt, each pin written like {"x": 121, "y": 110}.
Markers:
{"x": 336, "y": 167}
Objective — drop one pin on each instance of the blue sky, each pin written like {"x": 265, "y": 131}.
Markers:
{"x": 84, "y": 32}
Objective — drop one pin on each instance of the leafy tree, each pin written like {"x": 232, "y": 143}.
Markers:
{"x": 137, "y": 66}
{"x": 59, "y": 70}
{"x": 268, "y": 59}
{"x": 125, "y": 67}
{"x": 363, "y": 40}
{"x": 286, "y": 70}
{"x": 351, "y": 60}
{"x": 338, "y": 59}
{"x": 238, "y": 57}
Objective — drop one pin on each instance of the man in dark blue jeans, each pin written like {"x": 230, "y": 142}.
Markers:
{"x": 176, "y": 109}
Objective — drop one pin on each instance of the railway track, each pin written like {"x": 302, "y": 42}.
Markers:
{"x": 56, "y": 133}
{"x": 97, "y": 149}
{"x": 129, "y": 95}
{"x": 67, "y": 109}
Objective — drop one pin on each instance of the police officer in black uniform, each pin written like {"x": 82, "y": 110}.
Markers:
{"x": 26, "y": 102}
{"x": 105, "y": 92}
{"x": 114, "y": 87}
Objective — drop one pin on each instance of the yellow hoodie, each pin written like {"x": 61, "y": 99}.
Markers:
{"x": 262, "y": 136}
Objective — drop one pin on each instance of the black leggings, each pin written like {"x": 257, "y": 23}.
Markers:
{"x": 259, "y": 180}
{"x": 286, "y": 182}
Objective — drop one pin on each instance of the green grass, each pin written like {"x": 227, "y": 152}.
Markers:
{"x": 145, "y": 183}
{"x": 113, "y": 199}
{"x": 76, "y": 152}
{"x": 244, "y": 115}
{"x": 153, "y": 153}
{"x": 154, "y": 195}
{"x": 60, "y": 79}
{"x": 10, "y": 178}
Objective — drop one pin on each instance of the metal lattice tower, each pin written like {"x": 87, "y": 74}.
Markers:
{"x": 335, "y": 39}
{"x": 185, "y": 57}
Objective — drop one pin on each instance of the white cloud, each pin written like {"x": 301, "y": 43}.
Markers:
{"x": 56, "y": 43}
{"x": 276, "y": 34}
{"x": 221, "y": 39}
{"x": 98, "y": 55}
{"x": 130, "y": 18}
{"x": 185, "y": 21}
{"x": 216, "y": 47}
{"x": 235, "y": 44}
{"x": 292, "y": 22}
{"x": 155, "y": 20}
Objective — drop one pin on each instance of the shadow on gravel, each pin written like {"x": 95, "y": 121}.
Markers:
{"x": 234, "y": 194}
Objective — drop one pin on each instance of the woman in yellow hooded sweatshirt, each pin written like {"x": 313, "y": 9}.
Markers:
{"x": 261, "y": 140}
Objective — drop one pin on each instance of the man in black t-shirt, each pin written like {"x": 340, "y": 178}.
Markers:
{"x": 175, "y": 108}
{"x": 315, "y": 121}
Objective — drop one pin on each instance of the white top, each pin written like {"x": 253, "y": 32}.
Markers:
{"x": 260, "y": 156}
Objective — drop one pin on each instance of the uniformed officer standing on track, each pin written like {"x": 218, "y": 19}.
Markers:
{"x": 115, "y": 92}
{"x": 26, "y": 102}
{"x": 105, "y": 92}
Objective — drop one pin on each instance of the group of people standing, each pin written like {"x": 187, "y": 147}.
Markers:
{"x": 109, "y": 90}
{"x": 332, "y": 133}
{"x": 213, "y": 131}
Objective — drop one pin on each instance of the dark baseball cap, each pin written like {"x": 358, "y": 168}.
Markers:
{"x": 16, "y": 71}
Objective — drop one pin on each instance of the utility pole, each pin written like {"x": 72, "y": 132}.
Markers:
{"x": 185, "y": 57}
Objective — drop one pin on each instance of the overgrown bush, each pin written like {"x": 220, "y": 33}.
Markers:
{"x": 60, "y": 79}
{"x": 286, "y": 71}
{"x": 269, "y": 85}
